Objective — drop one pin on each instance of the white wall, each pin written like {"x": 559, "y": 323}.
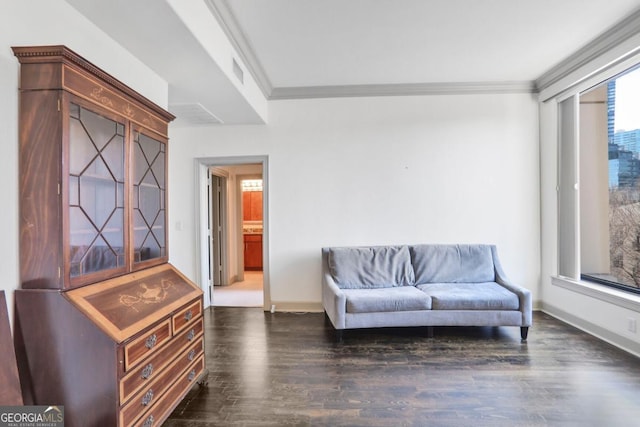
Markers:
{"x": 48, "y": 22}
{"x": 388, "y": 170}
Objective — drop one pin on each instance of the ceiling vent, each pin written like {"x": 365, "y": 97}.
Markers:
{"x": 237, "y": 70}
{"x": 194, "y": 114}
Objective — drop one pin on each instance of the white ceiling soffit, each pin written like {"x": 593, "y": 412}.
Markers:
{"x": 168, "y": 45}
{"x": 229, "y": 25}
{"x": 331, "y": 48}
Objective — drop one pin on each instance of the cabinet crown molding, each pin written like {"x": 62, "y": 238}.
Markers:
{"x": 64, "y": 55}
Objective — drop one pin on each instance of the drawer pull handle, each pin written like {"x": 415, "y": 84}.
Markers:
{"x": 147, "y": 398}
{"x": 192, "y": 375}
{"x": 191, "y": 335}
{"x": 188, "y": 315}
{"x": 149, "y": 421}
{"x": 147, "y": 371}
{"x": 151, "y": 341}
{"x": 192, "y": 355}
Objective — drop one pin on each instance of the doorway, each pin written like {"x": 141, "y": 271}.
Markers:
{"x": 234, "y": 231}
{"x": 246, "y": 288}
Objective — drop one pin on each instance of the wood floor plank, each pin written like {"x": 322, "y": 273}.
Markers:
{"x": 286, "y": 369}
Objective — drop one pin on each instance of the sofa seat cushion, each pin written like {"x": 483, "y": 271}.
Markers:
{"x": 405, "y": 298}
{"x": 452, "y": 263}
{"x": 371, "y": 267}
{"x": 470, "y": 296}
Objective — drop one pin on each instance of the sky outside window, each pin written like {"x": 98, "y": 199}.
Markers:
{"x": 628, "y": 101}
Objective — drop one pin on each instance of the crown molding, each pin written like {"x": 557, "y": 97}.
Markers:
{"x": 622, "y": 31}
{"x": 62, "y": 54}
{"x": 221, "y": 11}
{"x": 456, "y": 88}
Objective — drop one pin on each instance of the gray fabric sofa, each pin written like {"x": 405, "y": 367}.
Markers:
{"x": 420, "y": 285}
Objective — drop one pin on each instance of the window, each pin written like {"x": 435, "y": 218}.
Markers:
{"x": 608, "y": 190}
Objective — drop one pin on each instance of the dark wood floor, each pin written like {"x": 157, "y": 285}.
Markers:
{"x": 285, "y": 369}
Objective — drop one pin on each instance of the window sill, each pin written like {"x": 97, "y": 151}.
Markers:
{"x": 601, "y": 292}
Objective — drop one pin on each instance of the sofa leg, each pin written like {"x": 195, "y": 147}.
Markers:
{"x": 429, "y": 331}
{"x": 339, "y": 335}
{"x": 524, "y": 331}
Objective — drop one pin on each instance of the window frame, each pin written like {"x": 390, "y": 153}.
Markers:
{"x": 568, "y": 273}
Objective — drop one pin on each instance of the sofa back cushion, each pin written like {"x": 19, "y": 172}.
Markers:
{"x": 452, "y": 263}
{"x": 371, "y": 267}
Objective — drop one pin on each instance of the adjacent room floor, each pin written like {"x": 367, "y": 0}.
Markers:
{"x": 247, "y": 293}
{"x": 286, "y": 369}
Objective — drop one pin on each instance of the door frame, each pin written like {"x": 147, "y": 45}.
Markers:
{"x": 202, "y": 166}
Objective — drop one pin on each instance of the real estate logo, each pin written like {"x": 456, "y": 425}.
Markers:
{"x": 31, "y": 416}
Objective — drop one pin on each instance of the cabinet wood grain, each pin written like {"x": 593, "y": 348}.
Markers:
{"x": 253, "y": 252}
{"x": 252, "y": 205}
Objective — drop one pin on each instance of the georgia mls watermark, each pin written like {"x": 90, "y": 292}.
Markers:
{"x": 31, "y": 416}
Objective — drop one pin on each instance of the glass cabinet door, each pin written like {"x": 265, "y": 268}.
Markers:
{"x": 149, "y": 204}
{"x": 96, "y": 192}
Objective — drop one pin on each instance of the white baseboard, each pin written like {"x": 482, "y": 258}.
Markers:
{"x": 297, "y": 307}
{"x": 536, "y": 305}
{"x": 606, "y": 335}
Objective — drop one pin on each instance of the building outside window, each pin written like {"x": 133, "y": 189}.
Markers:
{"x": 609, "y": 164}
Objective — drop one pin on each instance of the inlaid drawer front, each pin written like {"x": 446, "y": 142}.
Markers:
{"x": 148, "y": 396}
{"x": 186, "y": 316}
{"x": 147, "y": 371}
{"x": 146, "y": 344}
{"x": 163, "y": 407}
{"x": 193, "y": 333}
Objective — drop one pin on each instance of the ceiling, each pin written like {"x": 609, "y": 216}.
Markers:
{"x": 315, "y": 48}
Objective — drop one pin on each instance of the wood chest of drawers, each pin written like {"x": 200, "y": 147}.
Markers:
{"x": 122, "y": 352}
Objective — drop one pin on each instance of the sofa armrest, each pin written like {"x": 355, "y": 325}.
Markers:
{"x": 524, "y": 295}
{"x": 334, "y": 301}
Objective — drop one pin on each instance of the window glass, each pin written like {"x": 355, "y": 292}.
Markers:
{"x": 148, "y": 198}
{"x": 610, "y": 182}
{"x": 96, "y": 200}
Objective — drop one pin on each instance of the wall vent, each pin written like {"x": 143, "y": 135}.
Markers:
{"x": 194, "y": 114}
{"x": 237, "y": 70}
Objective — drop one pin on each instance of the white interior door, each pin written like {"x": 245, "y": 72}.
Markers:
{"x": 217, "y": 230}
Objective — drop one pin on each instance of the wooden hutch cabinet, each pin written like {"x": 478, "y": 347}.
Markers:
{"x": 253, "y": 251}
{"x": 252, "y": 211}
{"x": 252, "y": 205}
{"x": 105, "y": 326}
